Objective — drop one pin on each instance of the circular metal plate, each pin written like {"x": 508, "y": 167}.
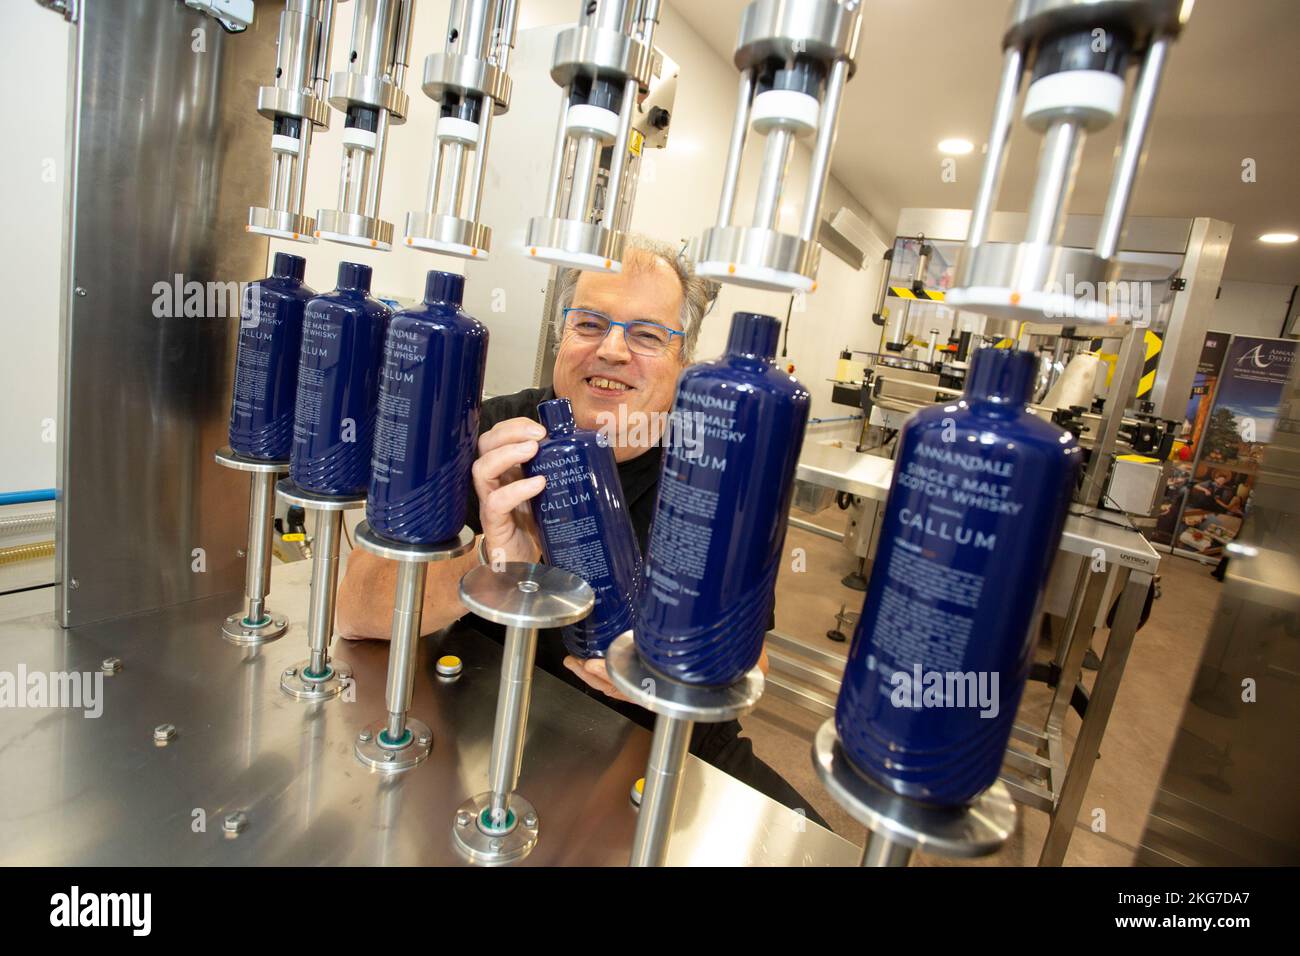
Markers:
{"x": 353, "y": 229}
{"x": 481, "y": 845}
{"x": 348, "y": 89}
{"x": 294, "y": 494}
{"x": 448, "y": 234}
{"x": 574, "y": 244}
{"x": 975, "y": 830}
{"x": 296, "y": 685}
{"x": 663, "y": 695}
{"x": 375, "y": 543}
{"x": 1036, "y": 282}
{"x": 583, "y": 50}
{"x": 456, "y": 73}
{"x": 526, "y": 595}
{"x": 235, "y": 631}
{"x": 758, "y": 258}
{"x": 273, "y": 101}
{"x": 823, "y": 29}
{"x": 228, "y": 459}
{"x": 281, "y": 224}
{"x": 386, "y": 760}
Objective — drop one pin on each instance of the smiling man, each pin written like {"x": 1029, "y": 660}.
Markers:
{"x": 623, "y": 341}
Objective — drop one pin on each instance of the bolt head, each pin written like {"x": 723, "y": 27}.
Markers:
{"x": 234, "y": 822}
{"x": 240, "y": 552}
{"x": 164, "y": 732}
{"x": 497, "y": 843}
{"x": 74, "y": 584}
{"x": 290, "y": 671}
{"x": 530, "y": 820}
{"x": 364, "y": 736}
{"x": 423, "y": 740}
{"x": 462, "y": 818}
{"x": 111, "y": 665}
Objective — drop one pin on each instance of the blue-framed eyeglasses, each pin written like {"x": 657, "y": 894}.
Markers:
{"x": 642, "y": 336}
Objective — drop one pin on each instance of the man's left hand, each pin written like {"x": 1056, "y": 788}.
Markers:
{"x": 593, "y": 673}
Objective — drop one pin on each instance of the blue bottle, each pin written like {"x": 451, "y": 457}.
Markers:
{"x": 430, "y": 389}
{"x": 585, "y": 526}
{"x": 338, "y": 387}
{"x": 707, "y": 591}
{"x": 943, "y": 646}
{"x": 266, "y": 367}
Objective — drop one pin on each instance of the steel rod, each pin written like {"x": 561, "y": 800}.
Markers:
{"x": 405, "y": 639}
{"x": 513, "y": 697}
{"x": 324, "y": 584}
{"x": 995, "y": 159}
{"x": 663, "y": 784}
{"x": 257, "y": 570}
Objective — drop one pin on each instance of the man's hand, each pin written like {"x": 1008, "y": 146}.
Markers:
{"x": 593, "y": 672}
{"x": 503, "y": 491}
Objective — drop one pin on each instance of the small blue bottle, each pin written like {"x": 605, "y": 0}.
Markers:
{"x": 338, "y": 386}
{"x": 735, "y": 432}
{"x": 585, "y": 526}
{"x": 943, "y": 646}
{"x": 266, "y": 367}
{"x": 430, "y": 389}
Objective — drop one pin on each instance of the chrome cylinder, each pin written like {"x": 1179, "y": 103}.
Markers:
{"x": 405, "y": 640}
{"x": 776, "y": 161}
{"x": 1058, "y": 161}
{"x": 882, "y": 851}
{"x": 257, "y": 568}
{"x": 513, "y": 697}
{"x": 663, "y": 784}
{"x": 1004, "y": 112}
{"x": 324, "y": 586}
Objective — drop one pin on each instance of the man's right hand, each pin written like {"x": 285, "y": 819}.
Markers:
{"x": 503, "y": 491}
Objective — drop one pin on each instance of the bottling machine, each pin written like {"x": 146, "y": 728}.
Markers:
{"x": 196, "y": 728}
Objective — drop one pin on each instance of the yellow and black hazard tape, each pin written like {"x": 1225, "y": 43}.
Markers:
{"x": 907, "y": 292}
{"x": 1153, "y": 344}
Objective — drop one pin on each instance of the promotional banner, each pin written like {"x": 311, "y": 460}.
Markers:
{"x": 1210, "y": 364}
{"x": 1232, "y": 443}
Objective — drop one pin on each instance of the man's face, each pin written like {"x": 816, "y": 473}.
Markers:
{"x": 599, "y": 376}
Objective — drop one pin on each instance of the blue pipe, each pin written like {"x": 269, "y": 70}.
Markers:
{"x": 26, "y": 497}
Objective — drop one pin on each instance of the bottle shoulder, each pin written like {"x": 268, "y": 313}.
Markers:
{"x": 970, "y": 429}
{"x": 433, "y": 318}
{"x": 743, "y": 376}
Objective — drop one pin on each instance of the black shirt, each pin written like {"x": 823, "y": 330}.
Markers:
{"x": 640, "y": 479}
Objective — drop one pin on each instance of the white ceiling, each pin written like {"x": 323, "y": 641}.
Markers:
{"x": 928, "y": 69}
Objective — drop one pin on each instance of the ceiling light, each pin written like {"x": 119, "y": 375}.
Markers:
{"x": 956, "y": 147}
{"x": 1278, "y": 238}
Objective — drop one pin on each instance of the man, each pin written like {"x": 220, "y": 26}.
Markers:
{"x": 624, "y": 340}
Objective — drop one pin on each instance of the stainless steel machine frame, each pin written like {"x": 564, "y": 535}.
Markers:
{"x": 144, "y": 516}
{"x": 368, "y": 92}
{"x": 1023, "y": 280}
{"x": 677, "y": 707}
{"x": 603, "y": 61}
{"x": 295, "y": 105}
{"x": 814, "y": 42}
{"x": 499, "y": 825}
{"x": 320, "y": 677}
{"x": 470, "y": 88}
{"x": 399, "y": 742}
{"x": 256, "y": 624}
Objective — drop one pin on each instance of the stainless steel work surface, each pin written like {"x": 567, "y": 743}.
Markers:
{"x": 98, "y": 790}
{"x": 843, "y": 468}
{"x": 1126, "y": 547}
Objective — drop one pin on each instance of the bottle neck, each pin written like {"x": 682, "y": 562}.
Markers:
{"x": 556, "y": 416}
{"x": 444, "y": 288}
{"x": 753, "y": 337}
{"x": 1001, "y": 377}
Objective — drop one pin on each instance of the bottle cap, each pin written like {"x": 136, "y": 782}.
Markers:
{"x": 448, "y": 287}
{"x": 754, "y": 334}
{"x": 353, "y": 275}
{"x": 556, "y": 415}
{"x": 286, "y": 265}
{"x": 1004, "y": 376}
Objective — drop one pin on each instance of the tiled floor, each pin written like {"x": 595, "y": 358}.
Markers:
{"x": 1138, "y": 737}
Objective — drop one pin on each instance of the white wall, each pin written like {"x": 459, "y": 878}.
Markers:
{"x": 1251, "y": 308}
{"x": 33, "y": 44}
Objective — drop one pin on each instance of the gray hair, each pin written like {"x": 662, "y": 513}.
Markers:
{"x": 698, "y": 294}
